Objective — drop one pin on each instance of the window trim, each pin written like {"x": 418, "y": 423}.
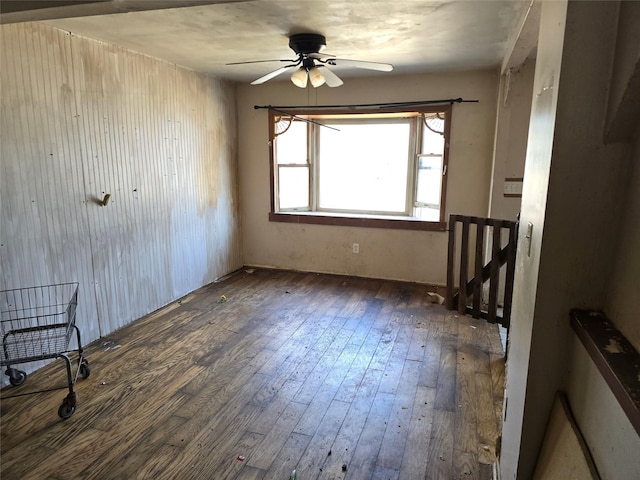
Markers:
{"x": 352, "y": 219}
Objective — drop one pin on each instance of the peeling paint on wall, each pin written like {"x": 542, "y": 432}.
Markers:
{"x": 82, "y": 119}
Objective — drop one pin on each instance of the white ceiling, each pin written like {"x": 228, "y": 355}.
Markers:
{"x": 413, "y": 35}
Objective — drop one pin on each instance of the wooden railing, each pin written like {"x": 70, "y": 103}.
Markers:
{"x": 468, "y": 298}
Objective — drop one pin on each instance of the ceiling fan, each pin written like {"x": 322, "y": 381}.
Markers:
{"x": 311, "y": 65}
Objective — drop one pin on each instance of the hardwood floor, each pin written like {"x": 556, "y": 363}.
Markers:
{"x": 335, "y": 377}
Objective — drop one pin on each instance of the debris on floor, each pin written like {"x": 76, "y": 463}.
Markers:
{"x": 344, "y": 467}
{"x": 240, "y": 458}
{"x": 109, "y": 345}
{"x": 435, "y": 298}
{"x": 222, "y": 299}
{"x": 250, "y": 271}
{"x": 185, "y": 299}
{"x": 293, "y": 475}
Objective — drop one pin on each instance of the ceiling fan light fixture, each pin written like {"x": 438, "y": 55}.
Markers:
{"x": 316, "y": 77}
{"x": 299, "y": 77}
{"x": 307, "y": 48}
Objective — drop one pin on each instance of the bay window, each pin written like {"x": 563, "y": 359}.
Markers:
{"x": 385, "y": 169}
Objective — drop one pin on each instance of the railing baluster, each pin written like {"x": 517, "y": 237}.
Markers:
{"x": 451, "y": 259}
{"x": 494, "y": 280}
{"x": 464, "y": 265}
{"x": 479, "y": 263}
{"x": 511, "y": 267}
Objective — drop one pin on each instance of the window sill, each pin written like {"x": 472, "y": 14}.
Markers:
{"x": 366, "y": 221}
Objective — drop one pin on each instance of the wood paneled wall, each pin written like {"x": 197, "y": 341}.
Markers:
{"x": 81, "y": 119}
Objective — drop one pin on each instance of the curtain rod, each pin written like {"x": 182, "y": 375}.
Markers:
{"x": 308, "y": 120}
{"x": 366, "y": 105}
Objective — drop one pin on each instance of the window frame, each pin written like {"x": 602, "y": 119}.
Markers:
{"x": 322, "y": 217}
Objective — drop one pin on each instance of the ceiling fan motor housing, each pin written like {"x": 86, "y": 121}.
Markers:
{"x": 306, "y": 43}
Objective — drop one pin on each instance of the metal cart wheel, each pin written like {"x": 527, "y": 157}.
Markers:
{"x": 16, "y": 377}
{"x": 28, "y": 338}
{"x": 85, "y": 371}
{"x": 68, "y": 406}
{"x": 66, "y": 410}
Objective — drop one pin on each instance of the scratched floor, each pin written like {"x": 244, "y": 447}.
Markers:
{"x": 335, "y": 377}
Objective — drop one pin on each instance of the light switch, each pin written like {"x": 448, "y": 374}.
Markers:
{"x": 528, "y": 236}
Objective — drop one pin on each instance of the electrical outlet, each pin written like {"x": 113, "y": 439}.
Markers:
{"x": 356, "y": 248}
{"x": 513, "y": 187}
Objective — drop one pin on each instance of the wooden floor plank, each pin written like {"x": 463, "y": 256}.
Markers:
{"x": 275, "y": 439}
{"x": 345, "y": 443}
{"x": 274, "y": 409}
{"x": 364, "y": 458}
{"x": 244, "y": 448}
{"x": 497, "y": 368}
{"x": 447, "y": 374}
{"x": 440, "y": 456}
{"x": 414, "y": 459}
{"x": 288, "y": 458}
{"x": 397, "y": 429}
{"x": 314, "y": 455}
{"x": 382, "y": 473}
{"x": 486, "y": 420}
{"x": 398, "y": 353}
{"x": 336, "y": 377}
{"x": 466, "y": 441}
{"x": 431, "y": 359}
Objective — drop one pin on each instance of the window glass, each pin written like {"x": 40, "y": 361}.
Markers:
{"x": 363, "y": 167}
{"x": 433, "y": 142}
{"x": 376, "y": 164}
{"x": 429, "y": 180}
{"x": 293, "y": 187}
{"x": 291, "y": 146}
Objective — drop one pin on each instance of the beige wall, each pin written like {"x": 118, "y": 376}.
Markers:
{"x": 81, "y": 119}
{"x": 612, "y": 440}
{"x": 518, "y": 454}
{"x": 612, "y": 259}
{"x": 393, "y": 254}
{"x": 624, "y": 94}
{"x": 574, "y": 195}
{"x": 510, "y": 149}
{"x": 512, "y": 128}
{"x": 623, "y": 301}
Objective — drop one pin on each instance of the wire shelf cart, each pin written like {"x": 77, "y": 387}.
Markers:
{"x": 37, "y": 323}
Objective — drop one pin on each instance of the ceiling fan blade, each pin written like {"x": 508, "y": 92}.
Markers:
{"x": 271, "y": 75}
{"x": 331, "y": 78}
{"x": 259, "y": 61}
{"x": 321, "y": 56}
{"x": 381, "y": 67}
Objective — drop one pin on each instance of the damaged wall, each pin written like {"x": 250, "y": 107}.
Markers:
{"x": 512, "y": 128}
{"x": 575, "y": 195}
{"x": 81, "y": 119}
{"x": 417, "y": 256}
